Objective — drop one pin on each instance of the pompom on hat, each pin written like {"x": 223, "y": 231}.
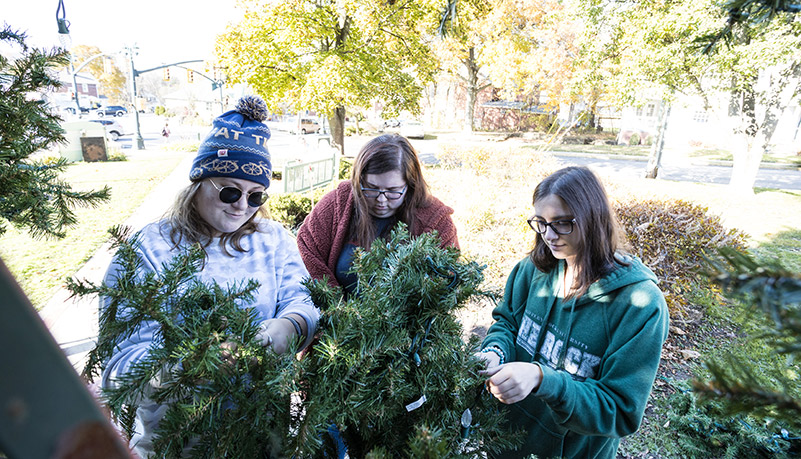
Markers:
{"x": 236, "y": 146}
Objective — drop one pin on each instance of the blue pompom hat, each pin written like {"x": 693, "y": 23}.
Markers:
{"x": 237, "y": 145}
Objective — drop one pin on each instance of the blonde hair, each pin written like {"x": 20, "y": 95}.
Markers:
{"x": 186, "y": 224}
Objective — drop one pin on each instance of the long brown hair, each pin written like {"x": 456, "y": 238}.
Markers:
{"x": 386, "y": 153}
{"x": 187, "y": 225}
{"x": 600, "y": 235}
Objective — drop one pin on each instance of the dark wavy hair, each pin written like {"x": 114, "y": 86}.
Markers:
{"x": 600, "y": 235}
{"x": 386, "y": 153}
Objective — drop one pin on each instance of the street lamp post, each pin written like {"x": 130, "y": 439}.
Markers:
{"x": 140, "y": 142}
{"x": 66, "y": 42}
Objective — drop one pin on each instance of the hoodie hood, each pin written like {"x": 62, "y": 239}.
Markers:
{"x": 634, "y": 271}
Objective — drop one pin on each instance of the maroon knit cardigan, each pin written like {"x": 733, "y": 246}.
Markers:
{"x": 323, "y": 234}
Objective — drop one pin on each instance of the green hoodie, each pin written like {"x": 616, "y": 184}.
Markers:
{"x": 594, "y": 390}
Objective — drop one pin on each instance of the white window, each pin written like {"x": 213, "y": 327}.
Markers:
{"x": 84, "y": 88}
{"x": 701, "y": 116}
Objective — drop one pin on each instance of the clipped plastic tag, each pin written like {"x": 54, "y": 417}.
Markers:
{"x": 222, "y": 153}
{"x": 416, "y": 404}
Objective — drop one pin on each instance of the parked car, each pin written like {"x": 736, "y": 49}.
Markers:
{"x": 392, "y": 123}
{"x": 113, "y": 128}
{"x": 112, "y": 110}
{"x": 305, "y": 126}
{"x": 72, "y": 110}
{"x": 412, "y": 129}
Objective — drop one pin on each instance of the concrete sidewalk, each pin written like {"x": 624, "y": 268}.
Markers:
{"x": 73, "y": 321}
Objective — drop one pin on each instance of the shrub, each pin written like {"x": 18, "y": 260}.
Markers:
{"x": 292, "y": 208}
{"x": 159, "y": 110}
{"x": 345, "y": 167}
{"x": 634, "y": 139}
{"x": 671, "y": 237}
{"x": 498, "y": 161}
{"x": 351, "y": 130}
{"x": 705, "y": 430}
{"x": 115, "y": 154}
{"x": 475, "y": 157}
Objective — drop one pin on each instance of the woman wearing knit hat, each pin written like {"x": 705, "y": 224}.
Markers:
{"x": 386, "y": 187}
{"x": 220, "y": 210}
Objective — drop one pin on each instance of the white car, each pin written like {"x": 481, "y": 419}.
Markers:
{"x": 412, "y": 129}
{"x": 113, "y": 128}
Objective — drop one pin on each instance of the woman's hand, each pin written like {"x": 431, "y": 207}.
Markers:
{"x": 513, "y": 381}
{"x": 490, "y": 359}
{"x": 277, "y": 333}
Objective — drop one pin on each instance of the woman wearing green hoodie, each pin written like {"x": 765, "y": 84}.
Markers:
{"x": 578, "y": 336}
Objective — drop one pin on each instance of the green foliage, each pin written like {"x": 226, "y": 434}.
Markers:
{"x": 743, "y": 14}
{"x": 208, "y": 365}
{"x": 775, "y": 294}
{"x": 159, "y": 110}
{"x": 653, "y": 49}
{"x": 784, "y": 248}
{"x": 329, "y": 56}
{"x": 672, "y": 237}
{"x": 345, "y": 168}
{"x": 392, "y": 343}
{"x": 115, "y": 154}
{"x": 634, "y": 139}
{"x": 706, "y": 430}
{"x": 32, "y": 195}
{"x": 291, "y": 209}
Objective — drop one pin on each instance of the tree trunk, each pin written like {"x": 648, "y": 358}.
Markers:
{"x": 755, "y": 136}
{"x": 472, "y": 89}
{"x": 337, "y": 123}
{"x": 655, "y": 159}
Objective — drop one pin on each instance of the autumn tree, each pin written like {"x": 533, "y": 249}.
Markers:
{"x": 525, "y": 48}
{"x": 331, "y": 55}
{"x": 104, "y": 69}
{"x": 662, "y": 46}
{"x": 530, "y": 47}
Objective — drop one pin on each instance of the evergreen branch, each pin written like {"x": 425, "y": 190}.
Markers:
{"x": 221, "y": 402}
{"x": 396, "y": 344}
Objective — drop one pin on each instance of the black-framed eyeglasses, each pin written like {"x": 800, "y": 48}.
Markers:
{"x": 231, "y": 194}
{"x": 391, "y": 195}
{"x": 558, "y": 226}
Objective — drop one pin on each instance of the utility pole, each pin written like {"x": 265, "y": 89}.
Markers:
{"x": 140, "y": 142}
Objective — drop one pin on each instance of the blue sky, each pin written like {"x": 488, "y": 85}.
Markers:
{"x": 165, "y": 31}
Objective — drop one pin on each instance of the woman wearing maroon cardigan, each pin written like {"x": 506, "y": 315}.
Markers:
{"x": 387, "y": 186}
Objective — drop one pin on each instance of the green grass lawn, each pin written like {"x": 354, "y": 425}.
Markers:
{"x": 42, "y": 265}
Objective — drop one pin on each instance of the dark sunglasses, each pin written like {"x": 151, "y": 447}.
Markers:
{"x": 232, "y": 194}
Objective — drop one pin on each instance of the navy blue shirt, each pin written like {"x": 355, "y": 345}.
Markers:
{"x": 346, "y": 278}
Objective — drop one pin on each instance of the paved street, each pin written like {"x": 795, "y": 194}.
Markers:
{"x": 766, "y": 178}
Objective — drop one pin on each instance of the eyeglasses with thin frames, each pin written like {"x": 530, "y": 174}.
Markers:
{"x": 390, "y": 195}
{"x": 558, "y": 226}
{"x": 231, "y": 194}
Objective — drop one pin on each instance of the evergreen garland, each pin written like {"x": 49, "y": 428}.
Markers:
{"x": 31, "y": 194}
{"x": 774, "y": 293}
{"x": 391, "y": 370}
{"x": 228, "y": 395}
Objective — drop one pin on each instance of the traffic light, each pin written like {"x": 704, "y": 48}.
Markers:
{"x": 190, "y": 75}
{"x": 166, "y": 74}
